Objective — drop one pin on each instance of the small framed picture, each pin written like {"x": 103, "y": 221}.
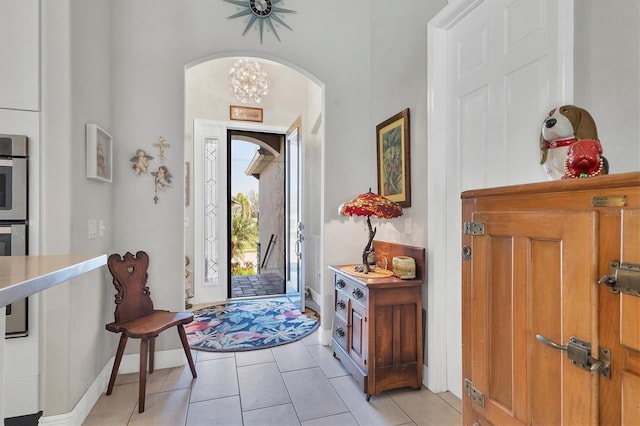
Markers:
{"x": 245, "y": 113}
{"x": 99, "y": 153}
{"x": 394, "y": 159}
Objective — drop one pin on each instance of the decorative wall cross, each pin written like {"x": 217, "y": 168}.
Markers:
{"x": 162, "y": 145}
{"x": 162, "y": 176}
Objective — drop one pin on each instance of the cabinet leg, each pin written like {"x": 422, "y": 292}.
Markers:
{"x": 368, "y": 397}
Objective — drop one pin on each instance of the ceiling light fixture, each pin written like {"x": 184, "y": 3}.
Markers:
{"x": 248, "y": 81}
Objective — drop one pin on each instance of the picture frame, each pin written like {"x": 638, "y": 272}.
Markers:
{"x": 99, "y": 153}
{"x": 243, "y": 113}
{"x": 393, "y": 142}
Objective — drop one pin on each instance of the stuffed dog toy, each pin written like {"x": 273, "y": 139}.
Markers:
{"x": 562, "y": 127}
{"x": 584, "y": 160}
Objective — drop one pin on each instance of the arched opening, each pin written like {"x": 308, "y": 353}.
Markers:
{"x": 208, "y": 102}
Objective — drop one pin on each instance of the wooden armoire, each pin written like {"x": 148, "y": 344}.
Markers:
{"x": 551, "y": 303}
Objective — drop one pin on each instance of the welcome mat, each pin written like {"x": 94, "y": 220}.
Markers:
{"x": 248, "y": 325}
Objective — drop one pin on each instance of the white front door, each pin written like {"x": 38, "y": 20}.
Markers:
{"x": 495, "y": 68}
{"x": 210, "y": 207}
{"x": 295, "y": 227}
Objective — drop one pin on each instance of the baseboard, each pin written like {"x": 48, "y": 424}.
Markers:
{"x": 325, "y": 336}
{"x": 130, "y": 364}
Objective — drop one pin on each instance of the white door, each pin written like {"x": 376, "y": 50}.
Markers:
{"x": 295, "y": 227}
{"x": 496, "y": 68}
{"x": 210, "y": 232}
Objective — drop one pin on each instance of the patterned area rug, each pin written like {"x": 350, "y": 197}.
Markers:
{"x": 248, "y": 325}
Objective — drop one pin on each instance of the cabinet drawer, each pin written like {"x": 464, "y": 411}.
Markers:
{"x": 342, "y": 302}
{"x": 340, "y": 332}
{"x": 351, "y": 290}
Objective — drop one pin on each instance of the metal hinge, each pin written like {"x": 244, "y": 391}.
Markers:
{"x": 474, "y": 394}
{"x": 623, "y": 277}
{"x": 579, "y": 354}
{"x": 474, "y": 228}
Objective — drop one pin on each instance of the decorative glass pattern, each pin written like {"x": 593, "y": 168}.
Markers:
{"x": 211, "y": 187}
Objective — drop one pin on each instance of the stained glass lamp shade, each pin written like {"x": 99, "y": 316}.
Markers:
{"x": 370, "y": 204}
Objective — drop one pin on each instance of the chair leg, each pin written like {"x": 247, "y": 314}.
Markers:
{"x": 116, "y": 363}
{"x": 144, "y": 348}
{"x": 187, "y": 350}
{"x": 152, "y": 354}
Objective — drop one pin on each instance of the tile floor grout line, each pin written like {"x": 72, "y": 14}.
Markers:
{"x": 449, "y": 404}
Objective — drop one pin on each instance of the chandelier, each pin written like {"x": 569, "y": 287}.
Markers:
{"x": 248, "y": 81}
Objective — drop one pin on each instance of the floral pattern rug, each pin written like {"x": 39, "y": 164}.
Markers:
{"x": 248, "y": 325}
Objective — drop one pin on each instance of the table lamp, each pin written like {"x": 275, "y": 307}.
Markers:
{"x": 369, "y": 204}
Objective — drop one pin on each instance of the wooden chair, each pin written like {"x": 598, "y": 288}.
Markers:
{"x": 135, "y": 316}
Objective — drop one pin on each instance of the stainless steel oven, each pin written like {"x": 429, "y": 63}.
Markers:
{"x": 13, "y": 218}
{"x": 13, "y": 177}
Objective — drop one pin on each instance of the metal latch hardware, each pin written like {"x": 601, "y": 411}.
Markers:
{"x": 466, "y": 253}
{"x": 474, "y": 228}
{"x": 579, "y": 354}
{"x": 474, "y": 394}
{"x": 623, "y": 277}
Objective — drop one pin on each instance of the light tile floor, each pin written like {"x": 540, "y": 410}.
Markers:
{"x": 295, "y": 384}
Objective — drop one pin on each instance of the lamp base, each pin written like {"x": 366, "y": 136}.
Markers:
{"x": 368, "y": 259}
{"x": 378, "y": 273}
{"x": 362, "y": 268}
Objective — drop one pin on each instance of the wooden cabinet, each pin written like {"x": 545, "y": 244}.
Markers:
{"x": 533, "y": 256}
{"x": 377, "y": 324}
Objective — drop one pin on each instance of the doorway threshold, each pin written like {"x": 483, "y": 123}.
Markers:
{"x": 265, "y": 284}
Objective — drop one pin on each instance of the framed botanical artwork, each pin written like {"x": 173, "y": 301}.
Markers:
{"x": 394, "y": 160}
{"x": 99, "y": 153}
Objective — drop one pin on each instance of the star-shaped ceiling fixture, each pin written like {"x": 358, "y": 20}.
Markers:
{"x": 262, "y": 11}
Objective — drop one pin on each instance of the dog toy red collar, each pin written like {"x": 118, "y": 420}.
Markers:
{"x": 560, "y": 142}
{"x": 571, "y": 174}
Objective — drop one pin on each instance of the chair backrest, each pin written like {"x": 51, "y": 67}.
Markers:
{"x": 129, "y": 273}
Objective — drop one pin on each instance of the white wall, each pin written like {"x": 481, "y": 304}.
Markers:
{"x": 372, "y": 61}
{"x": 75, "y": 91}
{"x": 154, "y": 40}
{"x": 398, "y": 74}
{"x": 607, "y": 76}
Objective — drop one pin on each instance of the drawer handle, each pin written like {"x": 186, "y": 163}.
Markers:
{"x": 357, "y": 293}
{"x": 341, "y": 304}
{"x": 340, "y": 284}
{"x": 339, "y": 332}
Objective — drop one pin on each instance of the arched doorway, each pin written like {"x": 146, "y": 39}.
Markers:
{"x": 208, "y": 99}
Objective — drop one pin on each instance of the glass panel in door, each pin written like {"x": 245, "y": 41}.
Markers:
{"x": 295, "y": 227}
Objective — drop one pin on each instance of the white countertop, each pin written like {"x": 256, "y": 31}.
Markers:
{"x": 22, "y": 276}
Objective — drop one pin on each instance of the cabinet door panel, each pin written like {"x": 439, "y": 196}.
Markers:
{"x": 546, "y": 256}
{"x": 405, "y": 318}
{"x": 533, "y": 273}
{"x": 20, "y": 50}
{"x": 358, "y": 340}
{"x": 630, "y": 322}
{"x": 395, "y": 334}
{"x": 630, "y": 305}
